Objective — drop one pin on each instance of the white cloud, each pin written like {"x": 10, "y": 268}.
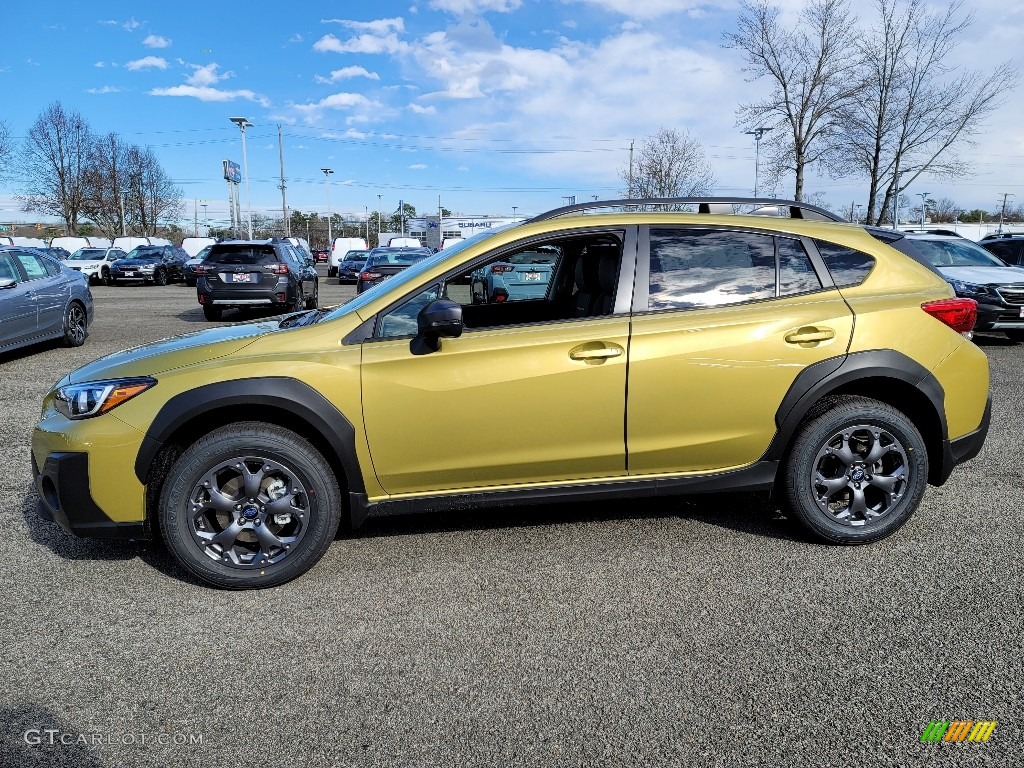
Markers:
{"x": 296, "y": 38}
{"x": 206, "y": 75}
{"x": 131, "y": 25}
{"x": 205, "y": 93}
{"x": 104, "y": 89}
{"x": 346, "y": 73}
{"x": 421, "y": 110}
{"x": 388, "y": 43}
{"x": 378, "y": 27}
{"x": 313, "y": 113}
{"x": 99, "y": 64}
{"x": 156, "y": 41}
{"x": 646, "y": 9}
{"x": 418, "y": 167}
{"x": 464, "y": 7}
{"x": 147, "y": 62}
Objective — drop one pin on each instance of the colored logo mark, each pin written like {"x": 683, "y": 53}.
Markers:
{"x": 959, "y": 730}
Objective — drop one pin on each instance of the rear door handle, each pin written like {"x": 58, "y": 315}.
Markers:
{"x": 589, "y": 352}
{"x": 810, "y": 335}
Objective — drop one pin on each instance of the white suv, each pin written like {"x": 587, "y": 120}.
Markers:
{"x": 94, "y": 263}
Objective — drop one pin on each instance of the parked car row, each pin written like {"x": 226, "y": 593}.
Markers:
{"x": 157, "y": 264}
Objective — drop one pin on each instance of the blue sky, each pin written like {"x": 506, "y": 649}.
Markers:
{"x": 488, "y": 104}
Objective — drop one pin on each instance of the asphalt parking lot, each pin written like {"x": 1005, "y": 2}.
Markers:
{"x": 696, "y": 632}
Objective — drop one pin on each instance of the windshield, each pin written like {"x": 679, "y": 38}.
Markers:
{"x": 411, "y": 274}
{"x": 396, "y": 257}
{"x": 146, "y": 252}
{"x": 956, "y": 253}
{"x": 86, "y": 254}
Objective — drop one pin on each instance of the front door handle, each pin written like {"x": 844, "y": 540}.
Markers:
{"x": 595, "y": 352}
{"x": 809, "y": 336}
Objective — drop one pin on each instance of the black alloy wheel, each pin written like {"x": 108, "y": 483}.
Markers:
{"x": 75, "y": 325}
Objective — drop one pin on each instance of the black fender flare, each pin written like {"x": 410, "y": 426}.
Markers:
{"x": 819, "y": 379}
{"x": 287, "y": 394}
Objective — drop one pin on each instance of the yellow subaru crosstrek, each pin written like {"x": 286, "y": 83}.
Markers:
{"x": 669, "y": 352}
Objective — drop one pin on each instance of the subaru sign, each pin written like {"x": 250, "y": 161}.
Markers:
{"x": 232, "y": 171}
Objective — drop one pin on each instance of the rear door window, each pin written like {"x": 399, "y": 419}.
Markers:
{"x": 32, "y": 264}
{"x": 248, "y": 255}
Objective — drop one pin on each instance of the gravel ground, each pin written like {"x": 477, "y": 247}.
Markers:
{"x": 700, "y": 632}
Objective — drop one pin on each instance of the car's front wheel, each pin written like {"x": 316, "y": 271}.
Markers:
{"x": 160, "y": 277}
{"x": 856, "y": 472}
{"x": 75, "y": 325}
{"x": 249, "y": 505}
{"x": 105, "y": 276}
{"x": 331, "y": 271}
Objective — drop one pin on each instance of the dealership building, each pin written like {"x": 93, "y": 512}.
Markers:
{"x": 432, "y": 230}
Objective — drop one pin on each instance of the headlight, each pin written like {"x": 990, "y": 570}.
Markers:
{"x": 147, "y": 267}
{"x": 80, "y": 401}
{"x": 969, "y": 290}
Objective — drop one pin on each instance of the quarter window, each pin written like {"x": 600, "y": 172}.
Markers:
{"x": 709, "y": 268}
{"x": 7, "y": 269}
{"x": 33, "y": 265}
{"x": 847, "y": 266}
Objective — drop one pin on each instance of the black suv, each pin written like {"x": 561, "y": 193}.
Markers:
{"x": 382, "y": 263}
{"x": 159, "y": 264}
{"x": 1008, "y": 247}
{"x": 256, "y": 273}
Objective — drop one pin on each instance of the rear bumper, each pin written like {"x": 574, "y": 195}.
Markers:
{"x": 963, "y": 449}
{"x": 65, "y": 499}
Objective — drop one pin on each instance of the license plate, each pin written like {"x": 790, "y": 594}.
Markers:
{"x": 129, "y": 274}
{"x": 531, "y": 275}
{"x": 1022, "y": 311}
{"x": 240, "y": 277}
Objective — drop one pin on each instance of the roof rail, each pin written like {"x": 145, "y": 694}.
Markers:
{"x": 797, "y": 210}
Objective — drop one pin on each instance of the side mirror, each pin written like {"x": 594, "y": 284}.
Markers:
{"x": 6, "y": 282}
{"x": 440, "y": 318}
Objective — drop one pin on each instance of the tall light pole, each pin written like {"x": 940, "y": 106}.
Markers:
{"x": 514, "y": 209}
{"x": 327, "y": 177}
{"x": 206, "y": 218}
{"x": 924, "y": 205}
{"x": 378, "y": 219}
{"x": 758, "y": 134}
{"x": 1002, "y": 211}
{"x": 243, "y": 123}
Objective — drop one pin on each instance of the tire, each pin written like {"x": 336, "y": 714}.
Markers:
{"x": 76, "y": 326}
{"x": 190, "y": 283}
{"x": 1015, "y": 335}
{"x": 331, "y": 271}
{"x": 298, "y": 303}
{"x": 855, "y": 507}
{"x": 160, "y": 277}
{"x": 231, "y": 540}
{"x": 105, "y": 277}
{"x": 212, "y": 313}
{"x": 312, "y": 302}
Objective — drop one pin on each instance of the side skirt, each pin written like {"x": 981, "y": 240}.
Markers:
{"x": 756, "y": 477}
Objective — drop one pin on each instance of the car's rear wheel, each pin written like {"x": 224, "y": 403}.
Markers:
{"x": 1015, "y": 335}
{"x": 312, "y": 302}
{"x": 331, "y": 271}
{"x": 856, "y": 472}
{"x": 250, "y": 505}
{"x": 212, "y": 313}
{"x": 75, "y": 325}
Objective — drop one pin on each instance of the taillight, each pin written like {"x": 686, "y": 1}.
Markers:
{"x": 199, "y": 269}
{"x": 367, "y": 276}
{"x": 279, "y": 269}
{"x": 499, "y": 269}
{"x": 958, "y": 314}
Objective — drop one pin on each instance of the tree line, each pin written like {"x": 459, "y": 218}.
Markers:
{"x": 66, "y": 170}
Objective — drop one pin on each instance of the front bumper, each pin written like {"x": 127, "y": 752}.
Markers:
{"x": 65, "y": 499}
{"x": 995, "y": 317}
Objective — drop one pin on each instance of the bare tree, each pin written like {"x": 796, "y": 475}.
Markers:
{"x": 916, "y": 109}
{"x": 105, "y": 182}
{"x": 5, "y": 148}
{"x": 151, "y": 193}
{"x": 54, "y": 157}
{"x": 812, "y": 69}
{"x": 668, "y": 164}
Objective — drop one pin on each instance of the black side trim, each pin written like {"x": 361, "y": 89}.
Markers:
{"x": 821, "y": 378}
{"x": 756, "y": 477}
{"x": 65, "y": 499}
{"x": 291, "y": 395}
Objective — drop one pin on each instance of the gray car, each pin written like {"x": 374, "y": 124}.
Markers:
{"x": 41, "y": 300}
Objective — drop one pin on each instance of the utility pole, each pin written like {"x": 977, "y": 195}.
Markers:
{"x": 852, "y": 206}
{"x": 514, "y": 209}
{"x": 206, "y": 218}
{"x": 121, "y": 200}
{"x": 284, "y": 202}
{"x": 195, "y": 214}
{"x": 330, "y": 238}
{"x": 378, "y": 219}
{"x": 401, "y": 215}
{"x": 758, "y": 134}
{"x": 1002, "y": 211}
{"x": 924, "y": 205}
